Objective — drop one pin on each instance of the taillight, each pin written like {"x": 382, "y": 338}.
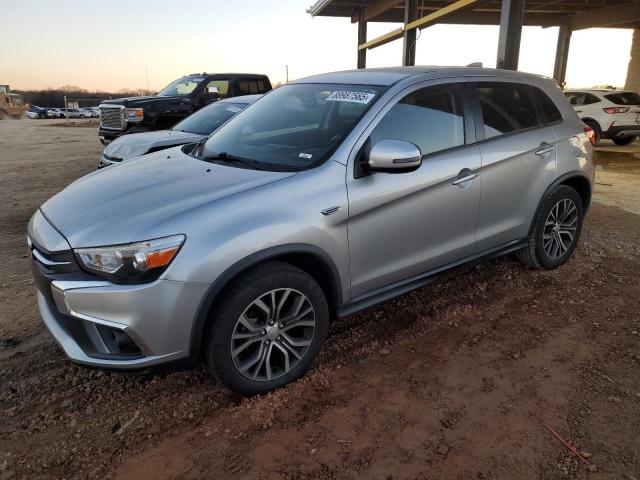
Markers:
{"x": 613, "y": 110}
{"x": 591, "y": 135}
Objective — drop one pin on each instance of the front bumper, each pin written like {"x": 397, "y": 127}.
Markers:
{"x": 107, "y": 136}
{"x": 89, "y": 319}
{"x": 102, "y": 324}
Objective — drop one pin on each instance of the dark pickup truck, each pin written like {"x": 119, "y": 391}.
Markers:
{"x": 176, "y": 101}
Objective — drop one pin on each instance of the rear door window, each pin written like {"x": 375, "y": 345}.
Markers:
{"x": 248, "y": 87}
{"x": 624, "y": 98}
{"x": 549, "y": 109}
{"x": 506, "y": 108}
{"x": 431, "y": 118}
{"x": 223, "y": 87}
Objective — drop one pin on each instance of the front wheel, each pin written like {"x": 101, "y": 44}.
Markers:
{"x": 623, "y": 140}
{"x": 556, "y": 230}
{"x": 267, "y": 329}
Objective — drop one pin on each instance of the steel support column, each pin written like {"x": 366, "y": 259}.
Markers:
{"x": 511, "y": 20}
{"x": 362, "y": 38}
{"x": 562, "y": 54}
{"x": 409, "y": 35}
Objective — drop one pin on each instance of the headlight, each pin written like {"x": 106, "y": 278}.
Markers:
{"x": 133, "y": 263}
{"x": 133, "y": 114}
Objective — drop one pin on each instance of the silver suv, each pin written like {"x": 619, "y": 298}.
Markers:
{"x": 326, "y": 196}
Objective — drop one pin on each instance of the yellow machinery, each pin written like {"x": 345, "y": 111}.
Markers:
{"x": 11, "y": 103}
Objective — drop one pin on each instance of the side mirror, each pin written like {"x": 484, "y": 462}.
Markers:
{"x": 394, "y": 155}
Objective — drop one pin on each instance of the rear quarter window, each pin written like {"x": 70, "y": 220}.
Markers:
{"x": 548, "y": 107}
{"x": 506, "y": 108}
{"x": 624, "y": 98}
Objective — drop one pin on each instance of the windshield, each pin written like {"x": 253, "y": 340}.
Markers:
{"x": 182, "y": 86}
{"x": 208, "y": 119}
{"x": 294, "y": 127}
{"x": 624, "y": 98}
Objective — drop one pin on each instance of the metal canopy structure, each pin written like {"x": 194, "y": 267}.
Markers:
{"x": 511, "y": 15}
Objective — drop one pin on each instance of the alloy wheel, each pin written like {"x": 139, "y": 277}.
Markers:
{"x": 273, "y": 334}
{"x": 560, "y": 228}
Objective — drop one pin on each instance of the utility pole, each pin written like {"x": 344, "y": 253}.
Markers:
{"x": 286, "y": 67}
{"x": 66, "y": 111}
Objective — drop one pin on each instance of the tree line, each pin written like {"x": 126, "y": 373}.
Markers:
{"x": 54, "y": 97}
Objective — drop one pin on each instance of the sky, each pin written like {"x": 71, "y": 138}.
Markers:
{"x": 122, "y": 44}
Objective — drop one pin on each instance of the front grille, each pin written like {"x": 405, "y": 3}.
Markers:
{"x": 52, "y": 262}
{"x": 112, "y": 118}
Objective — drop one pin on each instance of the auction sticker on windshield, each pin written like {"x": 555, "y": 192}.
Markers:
{"x": 353, "y": 97}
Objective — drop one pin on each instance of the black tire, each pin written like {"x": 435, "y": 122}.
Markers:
{"x": 596, "y": 129}
{"x": 623, "y": 140}
{"x": 236, "y": 299}
{"x": 534, "y": 255}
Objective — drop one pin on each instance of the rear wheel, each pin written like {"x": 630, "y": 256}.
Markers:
{"x": 556, "y": 230}
{"x": 623, "y": 140}
{"x": 2, "y": 114}
{"x": 596, "y": 129}
{"x": 267, "y": 329}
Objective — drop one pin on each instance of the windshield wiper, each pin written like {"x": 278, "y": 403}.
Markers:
{"x": 227, "y": 158}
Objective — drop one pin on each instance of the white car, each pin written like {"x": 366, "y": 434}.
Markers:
{"x": 31, "y": 114}
{"x": 192, "y": 129}
{"x": 90, "y": 112}
{"x": 613, "y": 114}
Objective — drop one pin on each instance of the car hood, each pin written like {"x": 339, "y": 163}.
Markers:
{"x": 137, "y": 200}
{"x": 144, "y": 101}
{"x": 136, "y": 144}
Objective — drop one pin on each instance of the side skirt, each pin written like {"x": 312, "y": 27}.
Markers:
{"x": 393, "y": 290}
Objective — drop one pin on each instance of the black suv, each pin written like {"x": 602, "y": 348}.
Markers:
{"x": 176, "y": 101}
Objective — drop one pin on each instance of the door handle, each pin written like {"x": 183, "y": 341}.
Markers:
{"x": 464, "y": 176}
{"x": 545, "y": 148}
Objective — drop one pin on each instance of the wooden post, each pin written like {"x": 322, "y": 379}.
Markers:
{"x": 409, "y": 36}
{"x": 362, "y": 38}
{"x": 511, "y": 20}
{"x": 562, "y": 54}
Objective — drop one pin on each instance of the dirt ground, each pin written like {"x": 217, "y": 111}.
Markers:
{"x": 456, "y": 380}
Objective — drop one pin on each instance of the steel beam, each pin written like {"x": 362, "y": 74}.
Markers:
{"x": 383, "y": 39}
{"x": 511, "y": 20}
{"x": 562, "y": 54}
{"x": 362, "y": 38}
{"x": 428, "y": 20}
{"x": 624, "y": 15}
{"x": 444, "y": 12}
{"x": 379, "y": 7}
{"x": 409, "y": 35}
